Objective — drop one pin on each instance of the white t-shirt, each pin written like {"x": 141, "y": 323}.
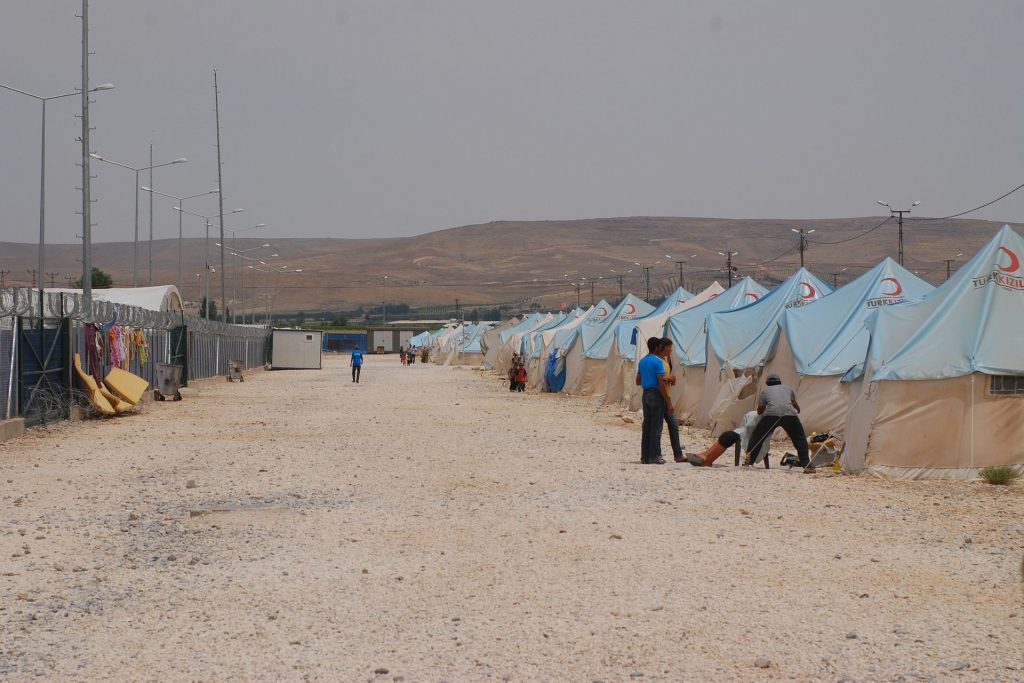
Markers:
{"x": 746, "y": 428}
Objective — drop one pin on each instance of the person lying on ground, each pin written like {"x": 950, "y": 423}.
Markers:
{"x": 777, "y": 406}
{"x": 726, "y": 440}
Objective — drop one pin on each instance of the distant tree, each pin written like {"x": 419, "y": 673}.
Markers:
{"x": 339, "y": 321}
{"x": 213, "y": 309}
{"x": 100, "y": 280}
{"x": 474, "y": 317}
{"x": 300, "y": 318}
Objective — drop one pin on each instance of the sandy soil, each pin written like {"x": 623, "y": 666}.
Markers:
{"x": 428, "y": 525}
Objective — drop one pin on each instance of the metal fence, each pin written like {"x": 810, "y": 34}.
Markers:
{"x": 204, "y": 347}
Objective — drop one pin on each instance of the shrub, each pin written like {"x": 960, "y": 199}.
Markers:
{"x": 999, "y": 476}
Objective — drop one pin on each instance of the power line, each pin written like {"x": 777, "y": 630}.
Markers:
{"x": 977, "y": 208}
{"x": 855, "y": 237}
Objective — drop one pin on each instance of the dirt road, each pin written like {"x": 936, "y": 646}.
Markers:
{"x": 428, "y": 525}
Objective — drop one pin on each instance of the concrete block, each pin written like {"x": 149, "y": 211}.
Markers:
{"x": 12, "y": 429}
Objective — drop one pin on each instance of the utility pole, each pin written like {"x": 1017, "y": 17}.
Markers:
{"x": 220, "y": 200}
{"x": 33, "y": 272}
{"x": 150, "y": 214}
{"x": 949, "y": 263}
{"x": 803, "y": 242}
{"x": 899, "y": 222}
{"x": 3, "y": 278}
{"x": 577, "y": 286}
{"x": 835, "y": 277}
{"x": 728, "y": 263}
{"x": 457, "y": 310}
{"x": 86, "y": 178}
{"x": 680, "y": 264}
{"x": 592, "y": 292}
{"x": 621, "y": 295}
{"x": 647, "y": 278}
{"x": 53, "y": 279}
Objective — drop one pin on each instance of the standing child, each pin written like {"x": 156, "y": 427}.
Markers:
{"x": 521, "y": 377}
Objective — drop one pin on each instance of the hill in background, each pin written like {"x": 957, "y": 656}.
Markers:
{"x": 520, "y": 261}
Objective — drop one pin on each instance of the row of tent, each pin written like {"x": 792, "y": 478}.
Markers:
{"x": 920, "y": 381}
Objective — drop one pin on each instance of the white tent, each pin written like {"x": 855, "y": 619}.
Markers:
{"x": 541, "y": 340}
{"x": 630, "y": 343}
{"x": 587, "y": 358}
{"x": 688, "y": 332}
{"x": 163, "y": 298}
{"x": 491, "y": 341}
{"x": 739, "y": 340}
{"x": 820, "y": 342}
{"x": 558, "y": 341}
{"x": 941, "y": 390}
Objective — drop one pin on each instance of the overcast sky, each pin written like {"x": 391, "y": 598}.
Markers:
{"x": 390, "y": 118}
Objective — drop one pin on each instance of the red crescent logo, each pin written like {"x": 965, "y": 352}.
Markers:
{"x": 1014, "y": 264}
{"x": 894, "y": 281}
{"x": 682, "y": 301}
{"x": 753, "y": 296}
{"x": 631, "y": 309}
{"x": 810, "y": 291}
{"x": 602, "y": 312}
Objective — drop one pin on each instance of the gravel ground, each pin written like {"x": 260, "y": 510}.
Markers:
{"x": 428, "y": 525}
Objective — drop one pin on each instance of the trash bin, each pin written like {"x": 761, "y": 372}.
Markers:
{"x": 168, "y": 382}
{"x": 235, "y": 368}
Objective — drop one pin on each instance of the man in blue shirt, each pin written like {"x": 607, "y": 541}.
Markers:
{"x": 650, "y": 375}
{"x": 357, "y": 364}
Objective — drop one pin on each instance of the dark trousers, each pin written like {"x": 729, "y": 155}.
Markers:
{"x": 791, "y": 425}
{"x": 654, "y": 420}
{"x": 355, "y": 372}
{"x": 673, "y": 432}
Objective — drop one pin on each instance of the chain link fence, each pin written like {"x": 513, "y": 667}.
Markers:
{"x": 206, "y": 348}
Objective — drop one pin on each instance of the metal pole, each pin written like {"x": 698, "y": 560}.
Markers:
{"x": 728, "y": 266}
{"x": 42, "y": 210}
{"x": 150, "y": 213}
{"x": 234, "y": 273}
{"x": 135, "y": 246}
{"x": 384, "y": 304}
{"x": 220, "y": 195}
{"x": 803, "y": 246}
{"x": 620, "y": 287}
{"x": 899, "y": 221}
{"x": 207, "y": 260}
{"x": 86, "y": 179}
{"x": 181, "y": 205}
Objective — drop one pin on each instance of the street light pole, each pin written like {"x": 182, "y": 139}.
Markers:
{"x": 728, "y": 263}
{"x": 135, "y": 251}
{"x": 803, "y": 242}
{"x": 41, "y": 256}
{"x": 384, "y": 306}
{"x": 206, "y": 249}
{"x": 899, "y": 221}
{"x": 181, "y": 204}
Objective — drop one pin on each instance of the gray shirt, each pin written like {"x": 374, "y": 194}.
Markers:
{"x": 777, "y": 401}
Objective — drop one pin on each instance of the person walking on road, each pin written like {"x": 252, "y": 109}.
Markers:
{"x": 650, "y": 376}
{"x": 357, "y": 364}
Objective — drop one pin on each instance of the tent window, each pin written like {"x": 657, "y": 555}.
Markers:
{"x": 1007, "y": 385}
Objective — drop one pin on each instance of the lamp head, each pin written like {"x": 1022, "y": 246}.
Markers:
{"x": 104, "y": 86}
{"x": 885, "y": 204}
{"x": 916, "y": 203}
{"x": 180, "y": 160}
